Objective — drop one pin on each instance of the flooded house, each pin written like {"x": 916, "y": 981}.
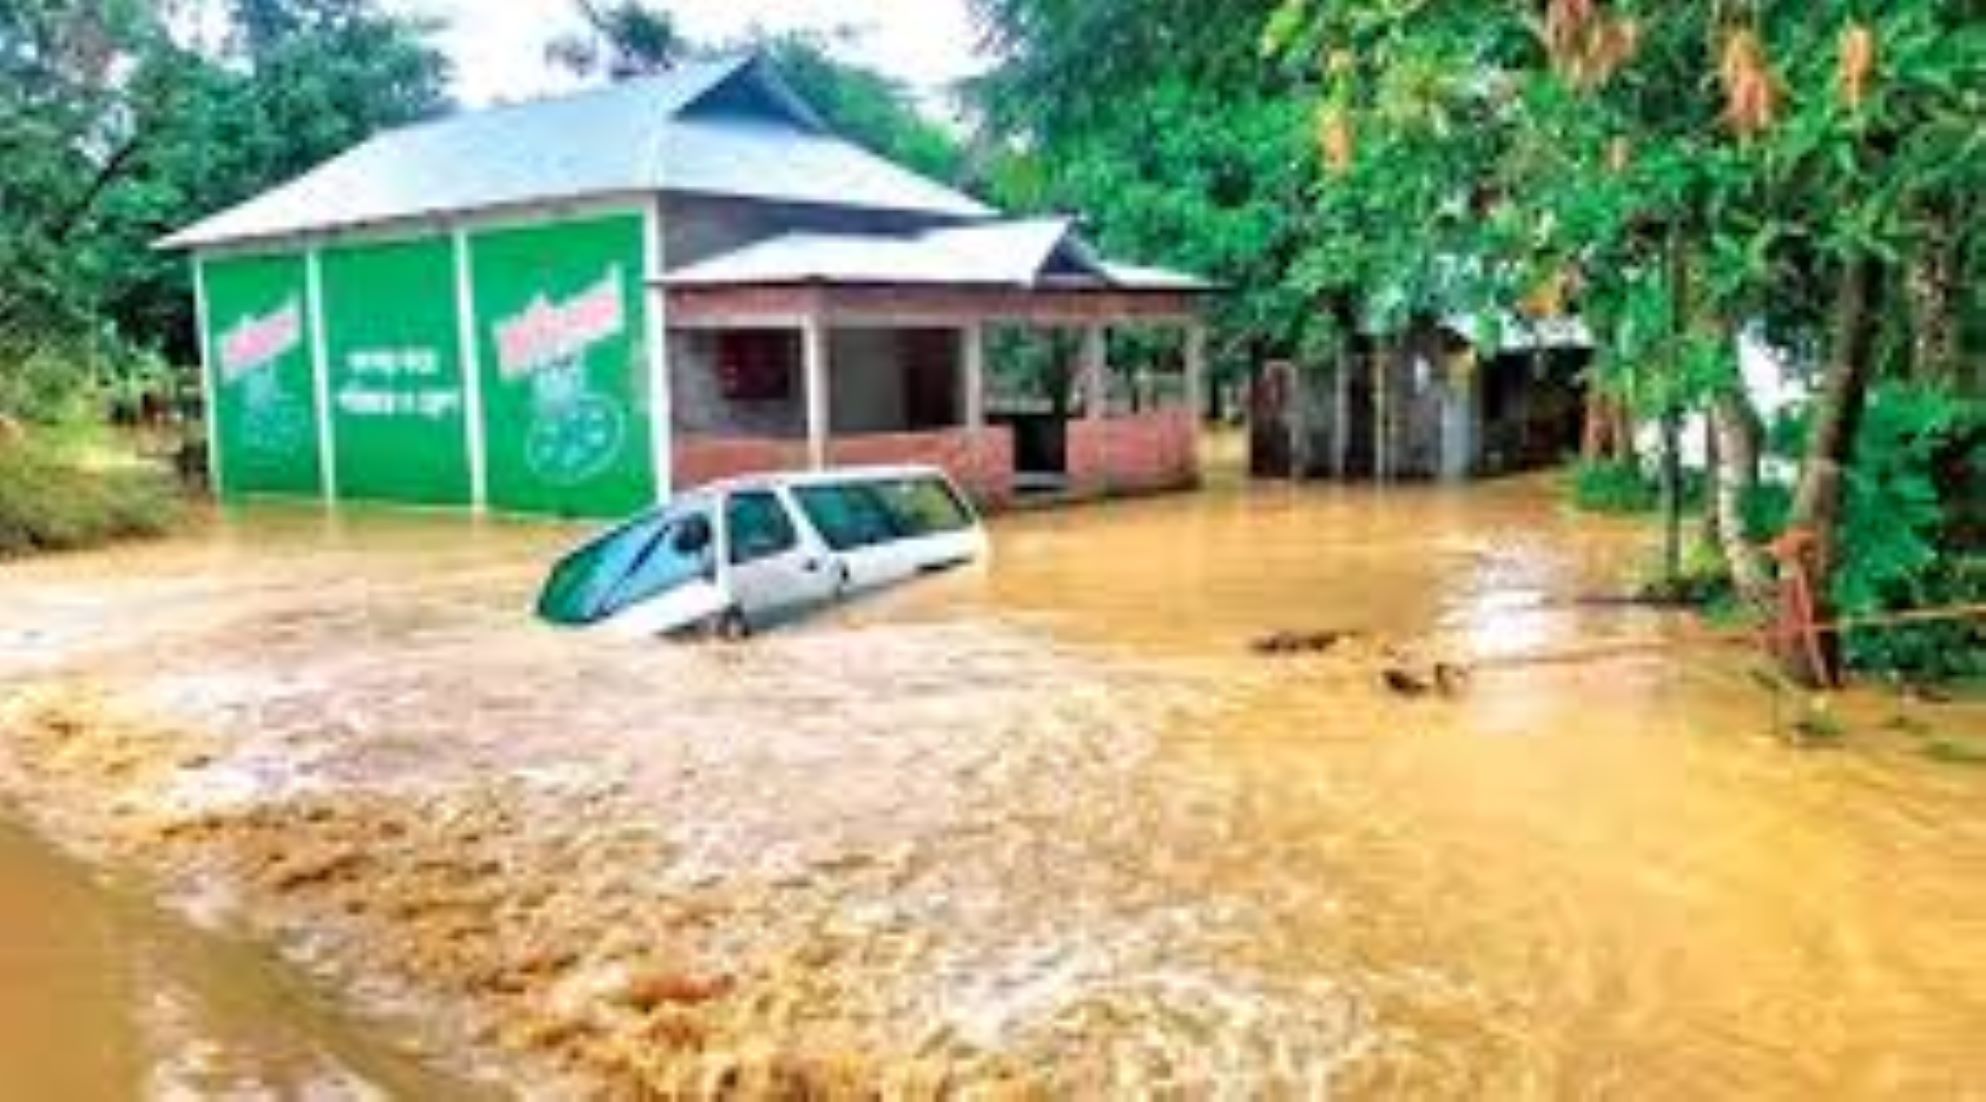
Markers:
{"x": 1450, "y": 399}
{"x": 581, "y": 306}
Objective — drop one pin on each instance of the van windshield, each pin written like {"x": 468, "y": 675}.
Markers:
{"x": 625, "y": 567}
{"x": 854, "y": 515}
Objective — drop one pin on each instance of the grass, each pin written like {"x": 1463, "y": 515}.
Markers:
{"x": 1615, "y": 488}
{"x": 63, "y": 495}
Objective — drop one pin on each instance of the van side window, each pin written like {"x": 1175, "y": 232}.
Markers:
{"x": 850, "y": 516}
{"x": 924, "y": 506}
{"x": 760, "y": 528}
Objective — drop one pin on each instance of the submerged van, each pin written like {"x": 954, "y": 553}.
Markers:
{"x": 748, "y": 554}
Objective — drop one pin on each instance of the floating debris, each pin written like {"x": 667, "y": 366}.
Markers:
{"x": 1284, "y": 643}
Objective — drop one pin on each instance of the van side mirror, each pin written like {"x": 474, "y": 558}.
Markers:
{"x": 693, "y": 538}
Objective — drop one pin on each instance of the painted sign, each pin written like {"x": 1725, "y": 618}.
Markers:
{"x": 565, "y": 376}
{"x": 258, "y": 350}
{"x": 398, "y": 404}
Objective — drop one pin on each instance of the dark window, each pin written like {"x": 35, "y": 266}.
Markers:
{"x": 760, "y": 528}
{"x": 924, "y": 506}
{"x": 756, "y": 365}
{"x": 864, "y": 514}
{"x": 848, "y": 517}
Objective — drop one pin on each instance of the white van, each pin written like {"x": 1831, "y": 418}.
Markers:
{"x": 743, "y": 555}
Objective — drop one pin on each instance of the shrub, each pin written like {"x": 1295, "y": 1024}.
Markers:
{"x": 1904, "y": 542}
{"x": 1612, "y": 486}
{"x": 50, "y": 501}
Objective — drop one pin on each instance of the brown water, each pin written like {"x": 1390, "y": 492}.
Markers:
{"x": 104, "y": 997}
{"x": 1053, "y": 817}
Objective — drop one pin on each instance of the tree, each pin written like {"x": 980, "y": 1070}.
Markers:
{"x": 867, "y": 107}
{"x": 626, "y": 39}
{"x": 113, "y": 134}
{"x": 1703, "y": 167}
{"x": 1158, "y": 122}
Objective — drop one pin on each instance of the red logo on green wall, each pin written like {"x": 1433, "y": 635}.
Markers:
{"x": 549, "y": 335}
{"x": 257, "y": 342}
{"x": 576, "y": 432}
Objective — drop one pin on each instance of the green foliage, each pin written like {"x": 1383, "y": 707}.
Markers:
{"x": 86, "y": 380}
{"x": 50, "y": 500}
{"x": 1623, "y": 487}
{"x": 113, "y": 132}
{"x": 867, "y": 107}
{"x": 1612, "y": 486}
{"x": 623, "y": 39}
{"x": 1898, "y": 549}
{"x": 1157, "y": 121}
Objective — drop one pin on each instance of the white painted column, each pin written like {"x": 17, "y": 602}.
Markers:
{"x": 814, "y": 361}
{"x": 1196, "y": 388}
{"x": 320, "y": 377}
{"x": 1196, "y": 372}
{"x": 1096, "y": 372}
{"x": 661, "y": 406}
{"x": 473, "y": 425}
{"x": 209, "y": 392}
{"x": 1341, "y": 416}
{"x": 1458, "y": 418}
{"x": 972, "y": 375}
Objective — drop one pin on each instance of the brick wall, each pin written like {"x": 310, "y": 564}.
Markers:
{"x": 701, "y": 460}
{"x": 982, "y": 466}
{"x": 1137, "y": 454}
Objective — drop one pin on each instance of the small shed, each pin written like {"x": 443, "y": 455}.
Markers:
{"x": 580, "y": 306}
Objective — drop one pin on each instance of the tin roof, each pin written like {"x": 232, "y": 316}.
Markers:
{"x": 1020, "y": 253}
{"x": 726, "y": 127}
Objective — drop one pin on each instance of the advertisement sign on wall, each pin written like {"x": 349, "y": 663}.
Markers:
{"x": 258, "y": 354}
{"x": 398, "y": 407}
{"x": 563, "y": 355}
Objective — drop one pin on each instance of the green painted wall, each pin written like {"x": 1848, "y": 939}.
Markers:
{"x": 563, "y": 354}
{"x": 399, "y": 410}
{"x": 258, "y": 357}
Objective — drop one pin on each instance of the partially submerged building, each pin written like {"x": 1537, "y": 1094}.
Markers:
{"x": 1450, "y": 399}
{"x": 580, "y": 306}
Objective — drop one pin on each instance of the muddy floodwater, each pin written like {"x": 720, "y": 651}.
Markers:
{"x": 1051, "y": 825}
{"x": 103, "y": 997}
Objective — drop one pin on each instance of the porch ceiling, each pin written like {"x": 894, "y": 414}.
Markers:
{"x": 776, "y": 305}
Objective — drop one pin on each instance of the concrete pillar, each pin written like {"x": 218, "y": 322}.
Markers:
{"x": 1096, "y": 372}
{"x": 320, "y": 377}
{"x": 1459, "y": 433}
{"x": 1382, "y": 413}
{"x": 1341, "y": 416}
{"x": 661, "y": 404}
{"x": 972, "y": 375}
{"x": 1196, "y": 371}
{"x": 472, "y": 374}
{"x": 814, "y": 363}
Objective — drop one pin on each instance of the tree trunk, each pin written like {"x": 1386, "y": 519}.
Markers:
{"x": 1672, "y": 499}
{"x": 1811, "y": 543}
{"x": 1933, "y": 291}
{"x": 1609, "y": 433}
{"x": 1739, "y": 436}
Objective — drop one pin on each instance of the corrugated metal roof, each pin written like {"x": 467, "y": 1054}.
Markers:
{"x": 629, "y": 138}
{"x": 1514, "y": 333}
{"x": 752, "y": 159}
{"x": 1016, "y": 253}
